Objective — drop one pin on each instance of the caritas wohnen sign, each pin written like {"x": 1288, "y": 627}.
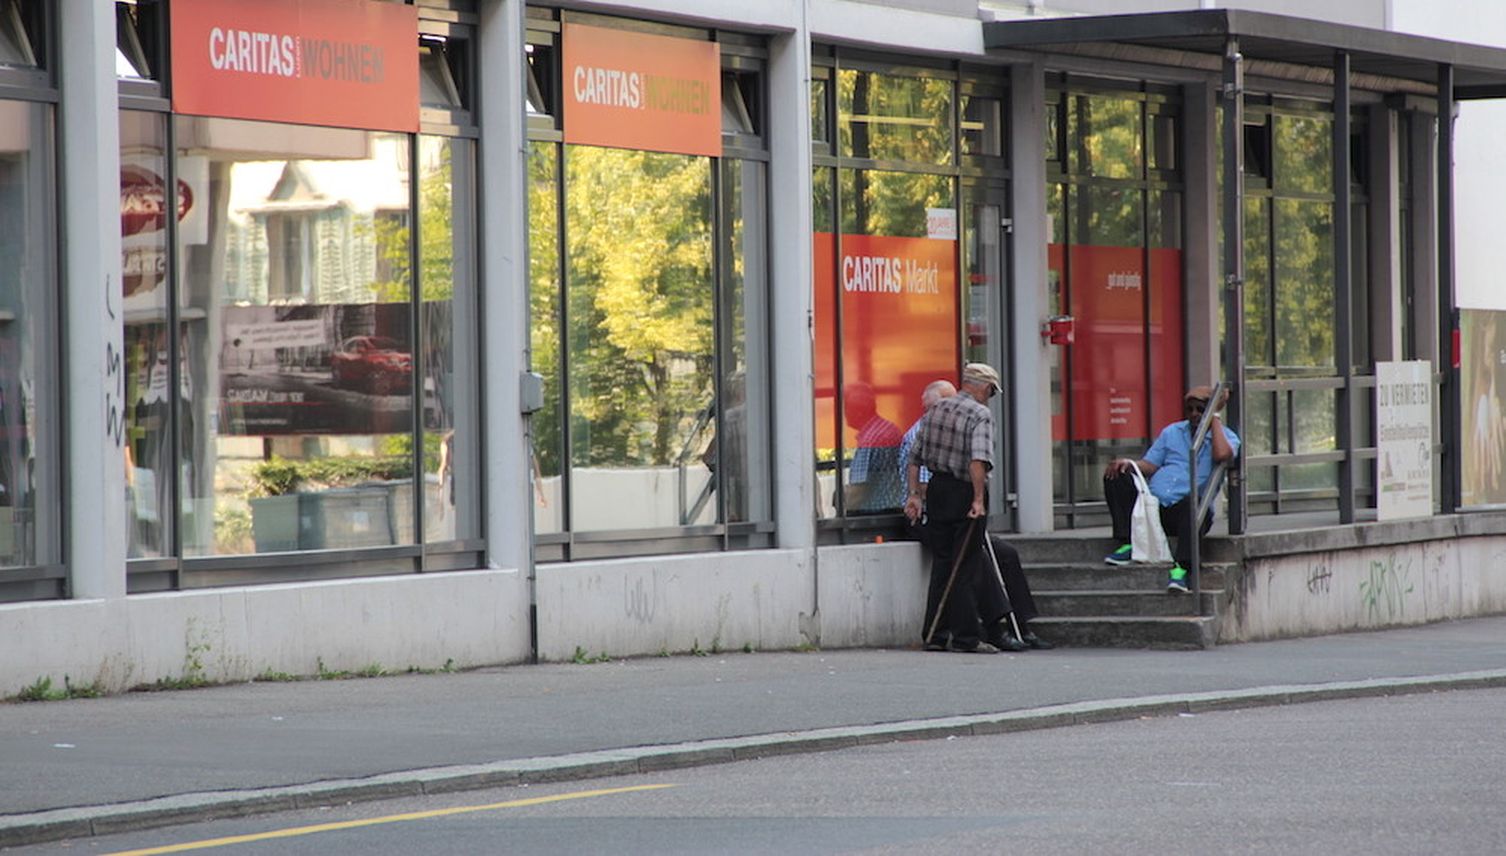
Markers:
{"x": 341, "y": 63}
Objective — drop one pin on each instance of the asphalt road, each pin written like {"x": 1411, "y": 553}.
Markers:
{"x": 1374, "y": 776}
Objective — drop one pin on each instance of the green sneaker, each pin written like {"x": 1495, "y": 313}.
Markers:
{"x": 1122, "y": 556}
{"x": 1177, "y": 581}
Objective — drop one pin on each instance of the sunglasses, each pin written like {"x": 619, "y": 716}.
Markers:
{"x": 1196, "y": 406}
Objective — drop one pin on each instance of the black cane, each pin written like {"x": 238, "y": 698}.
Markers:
{"x": 967, "y": 536}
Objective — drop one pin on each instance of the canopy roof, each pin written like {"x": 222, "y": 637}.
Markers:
{"x": 1379, "y": 59}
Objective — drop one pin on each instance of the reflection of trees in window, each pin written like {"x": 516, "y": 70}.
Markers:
{"x": 1105, "y": 136}
{"x": 1304, "y": 154}
{"x": 640, "y": 302}
{"x": 876, "y": 202}
{"x": 885, "y": 117}
{"x": 1258, "y": 346}
{"x": 1304, "y": 284}
{"x": 1109, "y": 216}
{"x": 544, "y": 299}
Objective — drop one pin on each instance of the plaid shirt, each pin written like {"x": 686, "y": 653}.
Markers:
{"x": 874, "y": 464}
{"x": 955, "y": 432}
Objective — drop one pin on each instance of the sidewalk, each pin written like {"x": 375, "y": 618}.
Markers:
{"x": 83, "y": 767}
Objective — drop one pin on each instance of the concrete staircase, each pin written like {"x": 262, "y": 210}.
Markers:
{"x": 1085, "y": 603}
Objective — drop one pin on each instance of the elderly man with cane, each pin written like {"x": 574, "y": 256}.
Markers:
{"x": 955, "y": 443}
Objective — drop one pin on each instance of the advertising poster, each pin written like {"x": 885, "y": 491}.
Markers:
{"x": 899, "y": 325}
{"x": 144, "y": 208}
{"x": 1404, "y": 433}
{"x": 1483, "y": 373}
{"x": 318, "y": 369}
{"x": 1112, "y": 396}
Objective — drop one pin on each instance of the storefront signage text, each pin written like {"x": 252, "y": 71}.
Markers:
{"x": 639, "y": 91}
{"x": 343, "y": 63}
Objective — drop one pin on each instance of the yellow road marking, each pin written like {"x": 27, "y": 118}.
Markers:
{"x": 374, "y": 821}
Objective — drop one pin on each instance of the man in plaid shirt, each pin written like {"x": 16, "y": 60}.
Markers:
{"x": 956, "y": 443}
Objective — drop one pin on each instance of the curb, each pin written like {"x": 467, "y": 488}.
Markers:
{"x": 87, "y": 821}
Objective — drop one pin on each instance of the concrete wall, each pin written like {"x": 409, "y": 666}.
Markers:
{"x": 1366, "y": 588}
{"x": 865, "y": 595}
{"x": 236, "y": 634}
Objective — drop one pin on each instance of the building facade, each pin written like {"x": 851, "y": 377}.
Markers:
{"x": 476, "y": 331}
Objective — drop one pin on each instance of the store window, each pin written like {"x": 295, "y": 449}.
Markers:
{"x": 1114, "y": 203}
{"x": 904, "y": 176}
{"x": 1290, "y": 323}
{"x": 30, "y": 426}
{"x": 300, "y": 311}
{"x": 648, "y": 283}
{"x": 29, "y": 439}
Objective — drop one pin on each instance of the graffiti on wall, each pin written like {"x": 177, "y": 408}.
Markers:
{"x": 1384, "y": 592}
{"x": 1319, "y": 577}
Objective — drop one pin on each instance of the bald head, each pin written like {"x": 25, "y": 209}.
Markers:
{"x": 935, "y": 391}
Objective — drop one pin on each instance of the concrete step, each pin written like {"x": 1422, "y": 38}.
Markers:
{"x": 1123, "y": 604}
{"x": 1068, "y": 548}
{"x": 1171, "y": 632}
{"x": 1097, "y": 576}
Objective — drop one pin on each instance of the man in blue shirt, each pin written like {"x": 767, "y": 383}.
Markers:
{"x": 1167, "y": 466}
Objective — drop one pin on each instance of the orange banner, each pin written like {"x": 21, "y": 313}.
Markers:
{"x": 632, "y": 90}
{"x": 341, "y": 63}
{"x": 899, "y": 328}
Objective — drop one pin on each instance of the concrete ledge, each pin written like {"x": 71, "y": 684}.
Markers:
{"x": 469, "y": 618}
{"x": 1262, "y": 545}
{"x": 37, "y": 827}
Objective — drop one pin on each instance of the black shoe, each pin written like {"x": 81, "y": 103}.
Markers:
{"x": 978, "y": 648}
{"x": 1009, "y": 643}
{"x": 1036, "y": 642}
{"x": 935, "y": 646}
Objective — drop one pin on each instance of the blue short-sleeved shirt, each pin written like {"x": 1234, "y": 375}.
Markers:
{"x": 1171, "y": 453}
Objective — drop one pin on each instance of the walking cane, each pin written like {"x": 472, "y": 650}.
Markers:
{"x": 988, "y": 544}
{"x": 946, "y": 592}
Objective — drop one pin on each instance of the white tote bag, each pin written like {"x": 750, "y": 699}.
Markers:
{"x": 1146, "y": 534}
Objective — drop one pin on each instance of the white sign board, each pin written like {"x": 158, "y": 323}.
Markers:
{"x": 1404, "y": 428}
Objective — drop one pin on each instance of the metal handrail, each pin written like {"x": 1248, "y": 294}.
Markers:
{"x": 1199, "y": 506}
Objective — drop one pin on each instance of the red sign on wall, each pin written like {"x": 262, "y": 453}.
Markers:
{"x": 342, "y": 63}
{"x": 632, "y": 90}
{"x": 1112, "y": 396}
{"x": 899, "y": 323}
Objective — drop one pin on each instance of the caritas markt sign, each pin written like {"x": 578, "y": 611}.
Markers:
{"x": 341, "y": 63}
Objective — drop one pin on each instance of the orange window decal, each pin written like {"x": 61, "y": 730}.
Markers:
{"x": 632, "y": 90}
{"x": 341, "y": 63}
{"x": 899, "y": 328}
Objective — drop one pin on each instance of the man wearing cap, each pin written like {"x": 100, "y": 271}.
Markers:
{"x": 1167, "y": 466}
{"x": 955, "y": 442}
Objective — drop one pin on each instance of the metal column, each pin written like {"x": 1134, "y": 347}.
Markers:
{"x": 1234, "y": 267}
{"x": 1448, "y": 314}
{"x": 1343, "y": 286}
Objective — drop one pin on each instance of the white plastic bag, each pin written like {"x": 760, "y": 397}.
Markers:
{"x": 1146, "y": 535}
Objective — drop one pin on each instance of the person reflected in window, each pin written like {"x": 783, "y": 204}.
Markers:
{"x": 873, "y": 482}
{"x": 1167, "y": 466}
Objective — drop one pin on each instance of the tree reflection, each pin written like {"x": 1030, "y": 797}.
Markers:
{"x": 640, "y": 302}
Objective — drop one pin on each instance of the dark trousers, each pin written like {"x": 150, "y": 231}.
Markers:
{"x": 1017, "y": 597}
{"x": 949, "y": 532}
{"x": 1121, "y": 493}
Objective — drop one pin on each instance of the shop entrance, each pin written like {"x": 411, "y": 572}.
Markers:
{"x": 1115, "y": 261}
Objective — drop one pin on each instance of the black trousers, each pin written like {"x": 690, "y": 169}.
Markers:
{"x": 1121, "y": 493}
{"x": 949, "y": 532}
{"x": 1017, "y": 597}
